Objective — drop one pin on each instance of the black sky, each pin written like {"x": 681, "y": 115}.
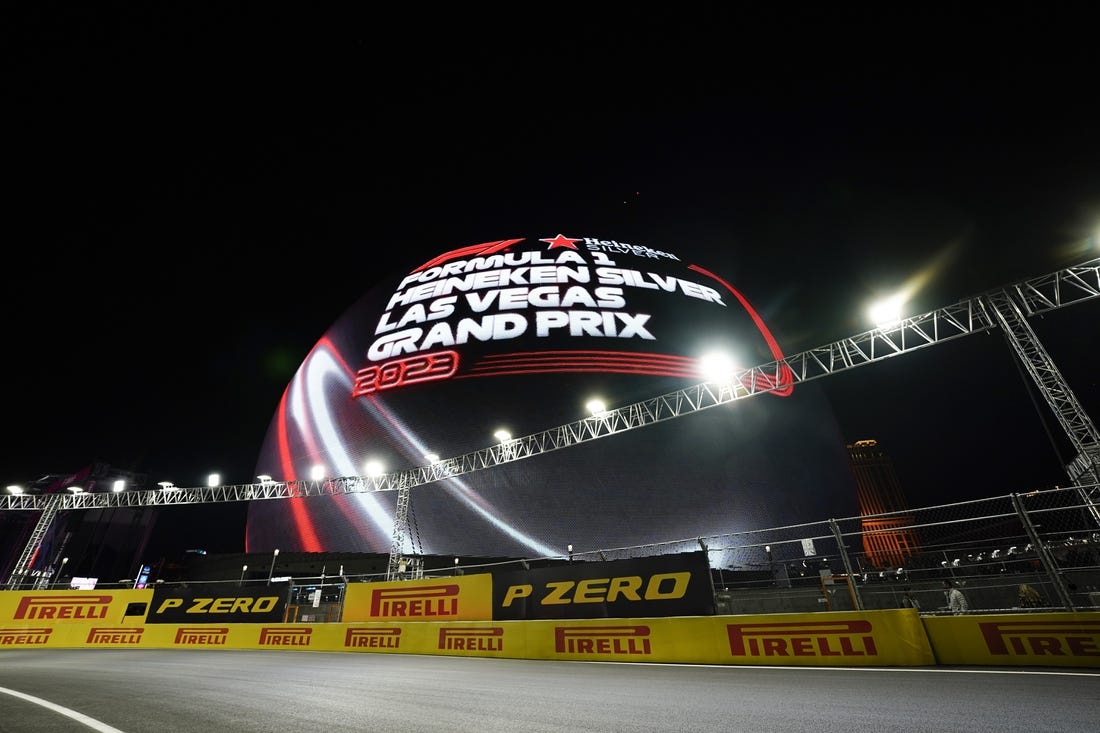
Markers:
{"x": 194, "y": 196}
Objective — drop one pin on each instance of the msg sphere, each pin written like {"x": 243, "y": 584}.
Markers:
{"x": 518, "y": 335}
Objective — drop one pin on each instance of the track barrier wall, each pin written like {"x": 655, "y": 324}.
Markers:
{"x": 47, "y": 619}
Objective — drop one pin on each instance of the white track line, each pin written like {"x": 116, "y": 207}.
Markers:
{"x": 78, "y": 717}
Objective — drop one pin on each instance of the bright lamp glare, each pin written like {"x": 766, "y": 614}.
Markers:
{"x": 118, "y": 485}
{"x": 596, "y": 407}
{"x": 214, "y": 479}
{"x": 717, "y": 367}
{"x": 432, "y": 457}
{"x": 317, "y": 473}
{"x": 374, "y": 468}
{"x": 502, "y": 435}
{"x": 887, "y": 311}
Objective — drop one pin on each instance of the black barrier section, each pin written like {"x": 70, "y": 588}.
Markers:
{"x": 221, "y": 603}
{"x": 663, "y": 585}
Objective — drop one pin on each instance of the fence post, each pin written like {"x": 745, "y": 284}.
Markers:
{"x": 710, "y": 576}
{"x": 1043, "y": 552}
{"x": 847, "y": 564}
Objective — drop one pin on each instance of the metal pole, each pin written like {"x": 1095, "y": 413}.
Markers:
{"x": 271, "y": 571}
{"x": 710, "y": 576}
{"x": 1044, "y": 553}
{"x": 856, "y": 598}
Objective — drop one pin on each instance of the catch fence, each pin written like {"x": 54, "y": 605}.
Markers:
{"x": 992, "y": 549}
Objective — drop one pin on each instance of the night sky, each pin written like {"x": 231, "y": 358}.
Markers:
{"x": 193, "y": 199}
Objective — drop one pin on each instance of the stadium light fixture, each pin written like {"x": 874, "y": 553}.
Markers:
{"x": 265, "y": 479}
{"x": 271, "y": 571}
{"x": 886, "y": 312}
{"x": 717, "y": 366}
{"x": 502, "y": 435}
{"x": 214, "y": 479}
{"x": 118, "y": 485}
{"x": 60, "y": 569}
{"x": 243, "y": 569}
{"x": 596, "y": 407}
{"x": 317, "y": 473}
{"x": 166, "y": 485}
{"x": 14, "y": 489}
{"x": 374, "y": 468}
{"x": 76, "y": 489}
{"x": 432, "y": 457}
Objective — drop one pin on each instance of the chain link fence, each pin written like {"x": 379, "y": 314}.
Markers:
{"x": 1016, "y": 553}
{"x": 1007, "y": 554}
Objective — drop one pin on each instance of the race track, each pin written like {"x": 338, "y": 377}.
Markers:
{"x": 160, "y": 691}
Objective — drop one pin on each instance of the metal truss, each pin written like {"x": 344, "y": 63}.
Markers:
{"x": 1006, "y": 307}
{"x": 1084, "y": 470}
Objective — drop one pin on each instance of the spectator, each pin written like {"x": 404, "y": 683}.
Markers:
{"x": 1029, "y": 597}
{"x": 956, "y": 601}
{"x": 908, "y": 600}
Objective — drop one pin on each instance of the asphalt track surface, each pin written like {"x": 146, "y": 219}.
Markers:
{"x": 155, "y": 691}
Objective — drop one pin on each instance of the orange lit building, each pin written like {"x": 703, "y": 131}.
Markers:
{"x": 888, "y": 537}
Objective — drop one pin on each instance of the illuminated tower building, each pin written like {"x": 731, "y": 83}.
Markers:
{"x": 888, "y": 537}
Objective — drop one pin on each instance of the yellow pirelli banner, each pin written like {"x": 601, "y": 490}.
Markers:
{"x": 57, "y": 607}
{"x": 447, "y": 616}
{"x": 461, "y": 598}
{"x": 875, "y": 638}
{"x": 1014, "y": 640}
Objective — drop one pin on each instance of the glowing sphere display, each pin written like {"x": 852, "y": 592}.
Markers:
{"x": 519, "y": 335}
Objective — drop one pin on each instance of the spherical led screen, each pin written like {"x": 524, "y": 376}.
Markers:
{"x": 520, "y": 335}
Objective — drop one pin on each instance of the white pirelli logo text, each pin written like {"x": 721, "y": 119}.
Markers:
{"x": 1043, "y": 638}
{"x": 373, "y": 638}
{"x": 473, "y": 639}
{"x": 24, "y": 637}
{"x": 285, "y": 636}
{"x": 607, "y": 640}
{"x": 802, "y": 639}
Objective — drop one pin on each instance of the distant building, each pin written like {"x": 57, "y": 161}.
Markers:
{"x": 888, "y": 537}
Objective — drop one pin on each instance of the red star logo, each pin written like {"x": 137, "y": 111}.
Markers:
{"x": 561, "y": 241}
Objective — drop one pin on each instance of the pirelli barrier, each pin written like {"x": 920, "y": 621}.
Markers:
{"x": 552, "y": 615}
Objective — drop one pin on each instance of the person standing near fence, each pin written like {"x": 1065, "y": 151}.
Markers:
{"x": 956, "y": 601}
{"x": 908, "y": 600}
{"x": 1029, "y": 597}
